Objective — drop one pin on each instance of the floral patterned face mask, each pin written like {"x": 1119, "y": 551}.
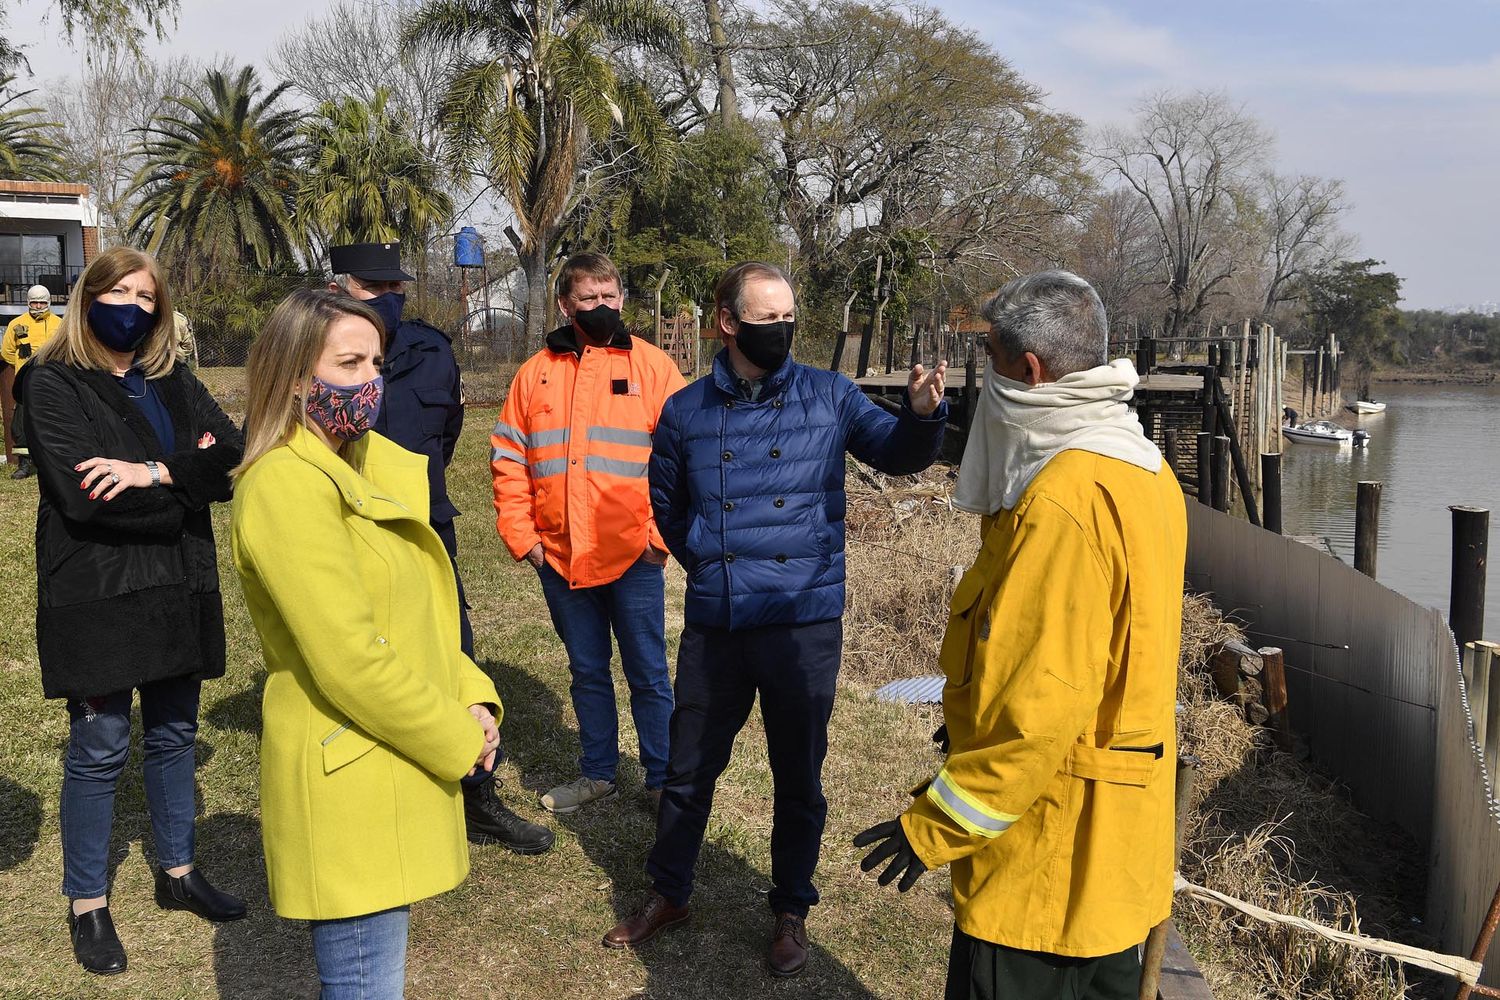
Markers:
{"x": 345, "y": 412}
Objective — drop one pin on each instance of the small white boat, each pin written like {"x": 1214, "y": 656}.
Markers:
{"x": 1365, "y": 406}
{"x": 1319, "y": 432}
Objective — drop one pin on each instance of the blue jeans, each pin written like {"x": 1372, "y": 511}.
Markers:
{"x": 362, "y": 958}
{"x": 99, "y": 742}
{"x": 635, "y": 606}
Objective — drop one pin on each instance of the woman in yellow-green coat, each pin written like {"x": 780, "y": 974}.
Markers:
{"x": 372, "y": 712}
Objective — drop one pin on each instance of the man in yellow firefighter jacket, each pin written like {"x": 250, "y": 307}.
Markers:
{"x": 24, "y": 336}
{"x": 1054, "y": 808}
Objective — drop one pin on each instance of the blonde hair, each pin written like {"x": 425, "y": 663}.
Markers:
{"x": 282, "y": 361}
{"x": 76, "y": 345}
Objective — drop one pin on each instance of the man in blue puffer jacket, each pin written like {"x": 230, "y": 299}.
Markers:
{"x": 747, "y": 486}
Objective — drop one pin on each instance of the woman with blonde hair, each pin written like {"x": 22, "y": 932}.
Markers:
{"x": 130, "y": 450}
{"x": 372, "y": 712}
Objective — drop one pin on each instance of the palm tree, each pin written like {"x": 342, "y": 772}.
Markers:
{"x": 538, "y": 99}
{"x": 367, "y": 179}
{"x": 220, "y": 175}
{"x": 28, "y": 148}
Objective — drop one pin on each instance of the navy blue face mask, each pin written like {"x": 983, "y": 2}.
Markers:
{"x": 120, "y": 327}
{"x": 388, "y": 305}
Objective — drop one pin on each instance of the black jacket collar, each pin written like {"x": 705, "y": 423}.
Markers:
{"x": 564, "y": 340}
{"x": 108, "y": 389}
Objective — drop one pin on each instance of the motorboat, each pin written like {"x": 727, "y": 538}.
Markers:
{"x": 1365, "y": 406}
{"x": 1324, "y": 432}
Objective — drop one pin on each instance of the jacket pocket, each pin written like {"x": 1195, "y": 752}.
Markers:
{"x": 344, "y": 745}
{"x": 1119, "y": 766}
{"x": 436, "y": 403}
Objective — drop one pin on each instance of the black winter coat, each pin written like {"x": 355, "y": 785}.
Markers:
{"x": 127, "y": 589}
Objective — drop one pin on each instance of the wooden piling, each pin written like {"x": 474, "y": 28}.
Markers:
{"x": 1479, "y": 689}
{"x": 1221, "y": 473}
{"x": 1491, "y": 709}
{"x": 971, "y": 380}
{"x": 1171, "y": 450}
{"x": 1367, "y": 527}
{"x": 1206, "y": 467}
{"x": 1270, "y": 499}
{"x": 862, "y": 368}
{"x": 1471, "y": 532}
{"x": 1273, "y": 678}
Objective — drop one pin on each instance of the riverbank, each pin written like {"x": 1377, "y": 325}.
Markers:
{"x": 1438, "y": 374}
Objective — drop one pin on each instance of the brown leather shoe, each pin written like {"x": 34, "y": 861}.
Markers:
{"x": 655, "y": 916}
{"x": 788, "y": 954}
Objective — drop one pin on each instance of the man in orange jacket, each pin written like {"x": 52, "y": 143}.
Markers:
{"x": 569, "y": 456}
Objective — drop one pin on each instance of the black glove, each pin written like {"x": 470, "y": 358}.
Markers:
{"x": 893, "y": 844}
{"x": 941, "y": 737}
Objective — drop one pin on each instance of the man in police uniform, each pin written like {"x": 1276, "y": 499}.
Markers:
{"x": 423, "y": 412}
{"x": 25, "y": 335}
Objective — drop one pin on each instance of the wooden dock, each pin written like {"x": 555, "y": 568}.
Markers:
{"x": 1156, "y": 384}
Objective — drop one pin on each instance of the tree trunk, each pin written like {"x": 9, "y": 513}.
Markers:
{"x": 534, "y": 266}
{"x": 718, "y": 40}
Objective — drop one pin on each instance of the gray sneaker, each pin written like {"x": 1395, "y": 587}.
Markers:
{"x": 573, "y": 796}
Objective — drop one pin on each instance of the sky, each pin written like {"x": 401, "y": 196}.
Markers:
{"x": 1399, "y": 98}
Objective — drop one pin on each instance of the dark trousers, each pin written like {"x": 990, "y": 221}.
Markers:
{"x": 794, "y": 669}
{"x": 980, "y": 970}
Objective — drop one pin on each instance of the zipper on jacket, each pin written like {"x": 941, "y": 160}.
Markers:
{"x": 335, "y": 734}
{"x": 1155, "y": 750}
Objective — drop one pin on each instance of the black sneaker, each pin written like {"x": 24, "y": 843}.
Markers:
{"x": 489, "y": 822}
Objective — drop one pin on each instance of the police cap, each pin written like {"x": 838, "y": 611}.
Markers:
{"x": 369, "y": 261}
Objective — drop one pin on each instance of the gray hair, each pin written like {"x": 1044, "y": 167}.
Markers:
{"x": 342, "y": 280}
{"x": 1055, "y": 315}
{"x": 730, "y": 291}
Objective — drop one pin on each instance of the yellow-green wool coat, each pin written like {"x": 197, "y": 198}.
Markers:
{"x": 366, "y": 727}
{"x": 1054, "y": 810}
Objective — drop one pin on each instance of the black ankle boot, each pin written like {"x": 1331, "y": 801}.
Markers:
{"x": 489, "y": 822}
{"x": 95, "y": 943}
{"x": 192, "y": 892}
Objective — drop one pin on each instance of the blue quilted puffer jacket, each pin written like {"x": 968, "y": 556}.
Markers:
{"x": 750, "y": 495}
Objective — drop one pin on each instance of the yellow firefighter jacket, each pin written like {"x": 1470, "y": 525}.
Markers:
{"x": 1055, "y": 807}
{"x": 24, "y": 336}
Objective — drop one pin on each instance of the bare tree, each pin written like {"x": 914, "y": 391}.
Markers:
{"x": 1118, "y": 252}
{"x": 1301, "y": 215}
{"x": 1190, "y": 157}
{"x": 102, "y": 113}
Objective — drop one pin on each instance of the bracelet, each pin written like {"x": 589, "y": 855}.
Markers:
{"x": 155, "y": 471}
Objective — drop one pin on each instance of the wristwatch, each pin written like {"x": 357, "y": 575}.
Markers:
{"x": 155, "y": 471}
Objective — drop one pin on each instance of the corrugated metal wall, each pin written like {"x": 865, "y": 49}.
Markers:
{"x": 1374, "y": 688}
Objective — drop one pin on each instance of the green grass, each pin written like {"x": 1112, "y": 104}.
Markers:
{"x": 519, "y": 927}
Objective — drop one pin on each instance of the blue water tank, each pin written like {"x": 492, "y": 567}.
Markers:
{"x": 468, "y": 248}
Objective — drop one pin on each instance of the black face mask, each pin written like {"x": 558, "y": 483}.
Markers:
{"x": 601, "y": 324}
{"x": 766, "y": 345}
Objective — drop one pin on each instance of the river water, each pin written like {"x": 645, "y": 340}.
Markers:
{"x": 1435, "y": 445}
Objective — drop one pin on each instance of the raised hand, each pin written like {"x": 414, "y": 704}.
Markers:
{"x": 925, "y": 389}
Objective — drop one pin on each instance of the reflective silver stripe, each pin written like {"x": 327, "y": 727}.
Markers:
{"x": 620, "y": 435}
{"x": 549, "y": 467}
{"x": 508, "y": 433}
{"x": 540, "y": 439}
{"x": 504, "y": 455}
{"x": 615, "y": 467}
{"x": 954, "y": 804}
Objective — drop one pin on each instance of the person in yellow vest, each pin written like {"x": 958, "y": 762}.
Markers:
{"x": 24, "y": 337}
{"x": 1054, "y": 810}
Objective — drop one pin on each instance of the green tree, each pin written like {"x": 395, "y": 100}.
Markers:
{"x": 219, "y": 175}
{"x": 1357, "y": 304}
{"x": 711, "y": 210}
{"x": 111, "y": 26}
{"x": 28, "y": 146}
{"x": 367, "y": 178}
{"x": 539, "y": 100}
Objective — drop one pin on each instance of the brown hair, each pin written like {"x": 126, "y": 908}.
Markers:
{"x": 76, "y": 345}
{"x": 593, "y": 265}
{"x": 281, "y": 363}
{"x": 729, "y": 293}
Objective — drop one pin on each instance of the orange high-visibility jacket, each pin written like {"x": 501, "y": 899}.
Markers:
{"x": 569, "y": 455}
